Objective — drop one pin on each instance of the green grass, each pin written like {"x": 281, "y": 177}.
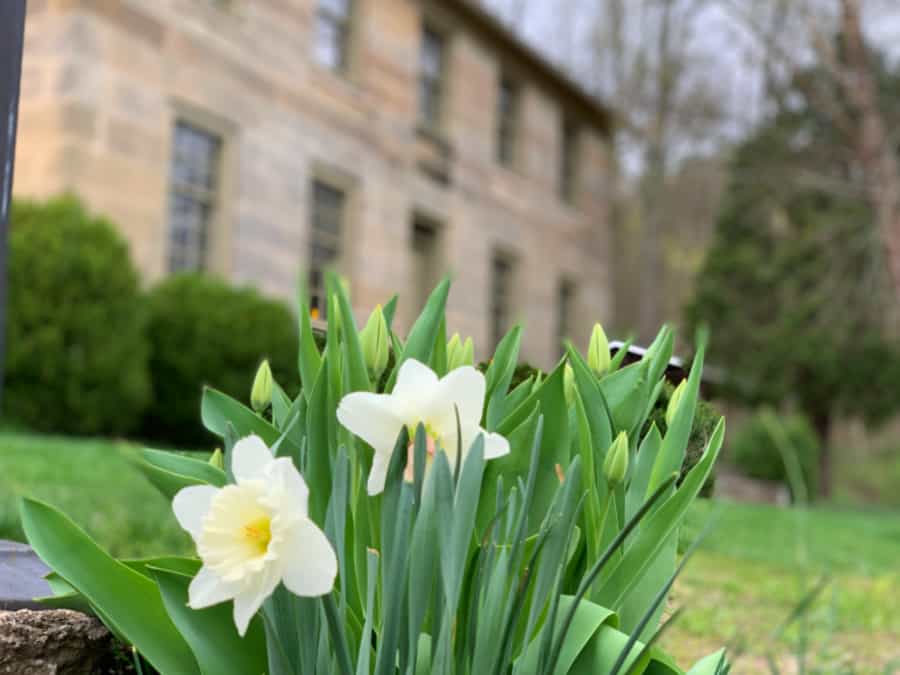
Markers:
{"x": 757, "y": 563}
{"x": 92, "y": 482}
{"x": 748, "y": 575}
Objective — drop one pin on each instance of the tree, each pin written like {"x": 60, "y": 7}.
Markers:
{"x": 796, "y": 283}
{"x": 845, "y": 89}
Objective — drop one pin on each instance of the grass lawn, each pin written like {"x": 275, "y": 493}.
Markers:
{"x": 746, "y": 578}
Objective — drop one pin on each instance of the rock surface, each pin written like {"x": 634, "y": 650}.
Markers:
{"x": 21, "y": 576}
{"x": 53, "y": 642}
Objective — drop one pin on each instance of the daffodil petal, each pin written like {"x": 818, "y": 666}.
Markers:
{"x": 495, "y": 445}
{"x": 310, "y": 562}
{"x": 191, "y": 504}
{"x": 378, "y": 474}
{"x": 248, "y": 602}
{"x": 250, "y": 457}
{"x": 414, "y": 380}
{"x": 208, "y": 589}
{"x": 372, "y": 417}
{"x": 295, "y": 493}
{"x": 461, "y": 389}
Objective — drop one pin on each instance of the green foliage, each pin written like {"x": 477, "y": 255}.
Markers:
{"x": 203, "y": 331}
{"x": 754, "y": 450}
{"x": 531, "y": 563}
{"x": 795, "y": 281}
{"x": 76, "y": 355}
{"x": 705, "y": 420}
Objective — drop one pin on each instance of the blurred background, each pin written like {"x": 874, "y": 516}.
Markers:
{"x": 183, "y": 167}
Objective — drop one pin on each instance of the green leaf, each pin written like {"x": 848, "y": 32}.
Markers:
{"x": 130, "y": 600}
{"x": 281, "y": 405}
{"x": 555, "y": 445}
{"x": 640, "y": 477}
{"x": 211, "y": 632}
{"x": 420, "y": 342}
{"x": 308, "y": 358}
{"x": 499, "y": 374}
{"x": 389, "y": 310}
{"x": 595, "y": 405}
{"x": 671, "y": 454}
{"x": 218, "y": 410}
{"x": 318, "y": 455}
{"x": 185, "y": 466}
{"x": 711, "y": 664}
{"x": 354, "y": 361}
{"x": 655, "y": 531}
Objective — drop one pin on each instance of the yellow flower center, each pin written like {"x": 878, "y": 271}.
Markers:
{"x": 258, "y": 533}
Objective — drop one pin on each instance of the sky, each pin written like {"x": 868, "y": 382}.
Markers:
{"x": 731, "y": 54}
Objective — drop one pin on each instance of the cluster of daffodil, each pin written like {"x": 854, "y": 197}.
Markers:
{"x": 406, "y": 513}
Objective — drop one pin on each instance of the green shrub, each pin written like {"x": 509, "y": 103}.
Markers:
{"x": 755, "y": 452}
{"x": 76, "y": 351}
{"x": 205, "y": 332}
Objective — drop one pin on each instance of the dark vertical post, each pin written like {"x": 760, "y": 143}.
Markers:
{"x": 12, "y": 36}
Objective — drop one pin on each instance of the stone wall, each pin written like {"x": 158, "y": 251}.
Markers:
{"x": 104, "y": 82}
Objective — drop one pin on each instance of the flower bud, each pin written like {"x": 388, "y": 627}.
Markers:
{"x": 460, "y": 353}
{"x": 615, "y": 466}
{"x": 218, "y": 459}
{"x": 674, "y": 401}
{"x": 261, "y": 394}
{"x": 569, "y": 384}
{"x": 598, "y": 351}
{"x": 374, "y": 341}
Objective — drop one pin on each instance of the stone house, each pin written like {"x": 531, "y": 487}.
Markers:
{"x": 265, "y": 140}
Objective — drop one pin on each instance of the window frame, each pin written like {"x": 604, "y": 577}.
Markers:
{"x": 437, "y": 226}
{"x": 343, "y": 25}
{"x": 569, "y": 159}
{"x": 566, "y": 299}
{"x": 214, "y": 255}
{"x": 433, "y": 84}
{"x": 318, "y": 302}
{"x": 508, "y": 121}
{"x": 500, "y": 256}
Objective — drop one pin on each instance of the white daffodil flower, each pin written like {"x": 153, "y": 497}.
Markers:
{"x": 419, "y": 396}
{"x": 252, "y": 535}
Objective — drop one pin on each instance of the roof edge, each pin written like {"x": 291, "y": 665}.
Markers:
{"x": 496, "y": 32}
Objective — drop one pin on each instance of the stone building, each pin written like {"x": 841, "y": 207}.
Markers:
{"x": 262, "y": 140}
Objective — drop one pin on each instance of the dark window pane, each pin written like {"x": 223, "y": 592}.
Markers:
{"x": 565, "y": 312}
{"x": 501, "y": 296}
{"x": 568, "y": 163}
{"x": 431, "y": 77}
{"x": 326, "y": 219}
{"x": 195, "y": 161}
{"x": 507, "y": 120}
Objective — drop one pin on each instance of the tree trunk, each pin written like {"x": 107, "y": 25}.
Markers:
{"x": 822, "y": 424}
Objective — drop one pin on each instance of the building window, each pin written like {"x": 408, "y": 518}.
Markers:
{"x": 327, "y": 224}
{"x": 502, "y": 271}
{"x": 193, "y": 195}
{"x": 333, "y": 33}
{"x": 426, "y": 258}
{"x": 565, "y": 311}
{"x": 507, "y": 120}
{"x": 568, "y": 164}
{"x": 431, "y": 77}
